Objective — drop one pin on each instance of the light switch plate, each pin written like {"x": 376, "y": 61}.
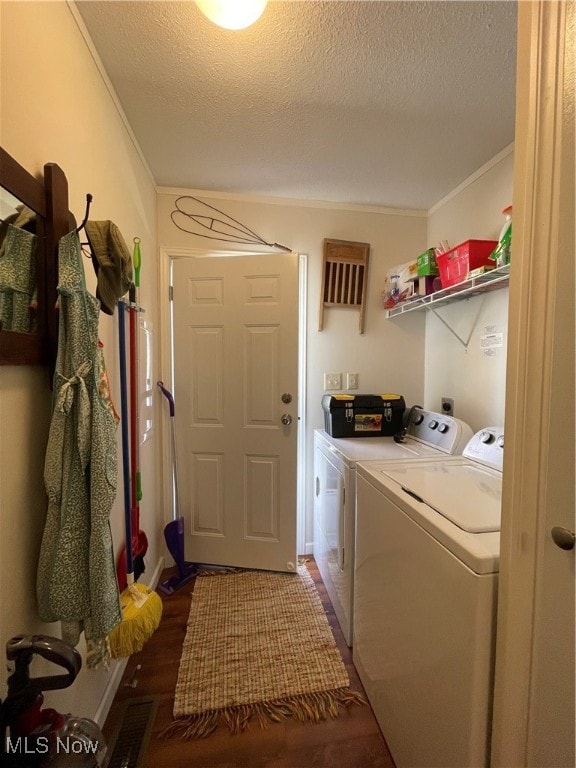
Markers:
{"x": 351, "y": 381}
{"x": 332, "y": 381}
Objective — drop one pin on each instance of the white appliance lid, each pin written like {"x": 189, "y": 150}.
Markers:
{"x": 464, "y": 492}
{"x": 353, "y": 449}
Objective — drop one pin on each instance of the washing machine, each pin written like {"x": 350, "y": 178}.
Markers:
{"x": 427, "y": 434}
{"x": 425, "y": 589}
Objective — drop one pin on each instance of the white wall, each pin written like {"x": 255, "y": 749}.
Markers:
{"x": 56, "y": 107}
{"x": 389, "y": 355}
{"x": 475, "y": 379}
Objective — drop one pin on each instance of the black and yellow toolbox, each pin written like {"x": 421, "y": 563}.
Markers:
{"x": 363, "y": 415}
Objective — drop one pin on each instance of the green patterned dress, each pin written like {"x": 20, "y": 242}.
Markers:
{"x": 76, "y": 578}
{"x": 18, "y": 280}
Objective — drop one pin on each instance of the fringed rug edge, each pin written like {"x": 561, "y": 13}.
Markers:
{"x": 306, "y": 707}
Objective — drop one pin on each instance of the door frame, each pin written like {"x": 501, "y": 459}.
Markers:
{"x": 166, "y": 368}
{"x": 535, "y": 486}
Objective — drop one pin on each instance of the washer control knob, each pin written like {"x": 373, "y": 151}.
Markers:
{"x": 433, "y": 424}
{"x": 486, "y": 437}
{"x": 443, "y": 428}
{"x": 500, "y": 441}
{"x": 418, "y": 418}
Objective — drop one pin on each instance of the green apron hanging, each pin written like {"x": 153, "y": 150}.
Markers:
{"x": 76, "y": 578}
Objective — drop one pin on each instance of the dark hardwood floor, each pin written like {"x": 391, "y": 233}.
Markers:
{"x": 353, "y": 740}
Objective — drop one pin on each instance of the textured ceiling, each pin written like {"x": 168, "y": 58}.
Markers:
{"x": 376, "y": 103}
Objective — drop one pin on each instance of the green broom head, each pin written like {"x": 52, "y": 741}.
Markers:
{"x": 141, "y": 614}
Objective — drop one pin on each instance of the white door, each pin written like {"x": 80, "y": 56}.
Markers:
{"x": 236, "y": 395}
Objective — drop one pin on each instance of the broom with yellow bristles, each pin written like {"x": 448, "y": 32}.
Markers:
{"x": 141, "y": 606}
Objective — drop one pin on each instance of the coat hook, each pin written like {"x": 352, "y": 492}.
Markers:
{"x": 88, "y": 203}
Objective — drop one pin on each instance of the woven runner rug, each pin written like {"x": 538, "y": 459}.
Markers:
{"x": 258, "y": 646}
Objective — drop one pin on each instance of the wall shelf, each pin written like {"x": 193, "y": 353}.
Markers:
{"x": 490, "y": 281}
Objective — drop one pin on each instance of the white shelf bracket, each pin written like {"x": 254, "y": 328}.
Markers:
{"x": 474, "y": 286}
{"x": 462, "y": 341}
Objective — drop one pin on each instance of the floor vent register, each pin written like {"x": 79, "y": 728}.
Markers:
{"x": 130, "y": 740}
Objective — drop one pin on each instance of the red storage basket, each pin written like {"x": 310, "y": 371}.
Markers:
{"x": 455, "y": 264}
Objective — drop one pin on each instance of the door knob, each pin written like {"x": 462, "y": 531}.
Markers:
{"x": 562, "y": 537}
{"x": 286, "y": 419}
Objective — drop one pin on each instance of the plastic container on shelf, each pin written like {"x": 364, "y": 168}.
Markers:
{"x": 458, "y": 262}
{"x": 501, "y": 254}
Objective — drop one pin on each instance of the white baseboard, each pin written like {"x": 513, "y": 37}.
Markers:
{"x": 110, "y": 692}
{"x": 120, "y": 665}
{"x": 157, "y": 573}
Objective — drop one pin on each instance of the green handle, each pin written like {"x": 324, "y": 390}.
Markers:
{"x": 137, "y": 258}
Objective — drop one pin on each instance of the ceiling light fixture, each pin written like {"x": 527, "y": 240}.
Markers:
{"x": 232, "y": 14}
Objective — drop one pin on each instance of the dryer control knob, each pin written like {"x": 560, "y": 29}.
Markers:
{"x": 443, "y": 428}
{"x": 500, "y": 441}
{"x": 486, "y": 437}
{"x": 418, "y": 418}
{"x": 433, "y": 424}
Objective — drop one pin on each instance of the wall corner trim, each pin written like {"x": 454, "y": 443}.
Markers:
{"x": 72, "y": 7}
{"x": 473, "y": 178}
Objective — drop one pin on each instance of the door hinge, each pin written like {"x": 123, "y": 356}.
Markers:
{"x": 170, "y": 293}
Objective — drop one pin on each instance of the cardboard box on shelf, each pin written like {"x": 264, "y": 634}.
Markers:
{"x": 426, "y": 263}
{"x": 423, "y": 286}
{"x": 399, "y": 284}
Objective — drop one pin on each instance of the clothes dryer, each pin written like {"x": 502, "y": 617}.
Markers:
{"x": 428, "y": 434}
{"x": 425, "y": 589}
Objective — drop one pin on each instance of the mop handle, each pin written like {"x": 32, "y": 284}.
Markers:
{"x": 125, "y": 438}
{"x": 137, "y": 263}
{"x": 134, "y": 394}
{"x": 168, "y": 395}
